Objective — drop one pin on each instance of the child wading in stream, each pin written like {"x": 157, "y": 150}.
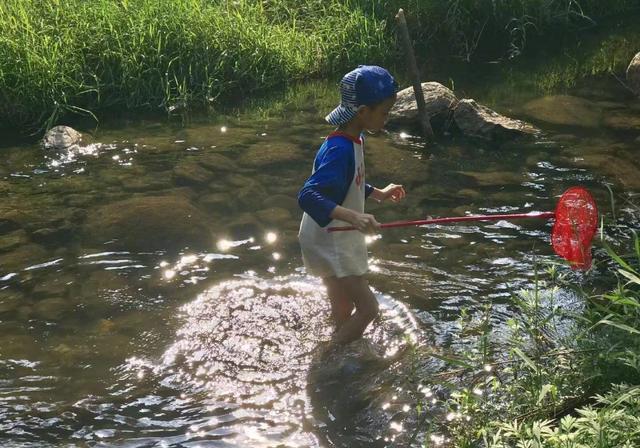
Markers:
{"x": 334, "y": 195}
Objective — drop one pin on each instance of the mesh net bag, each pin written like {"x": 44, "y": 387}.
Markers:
{"x": 576, "y": 222}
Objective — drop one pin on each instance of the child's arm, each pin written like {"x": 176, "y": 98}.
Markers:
{"x": 391, "y": 191}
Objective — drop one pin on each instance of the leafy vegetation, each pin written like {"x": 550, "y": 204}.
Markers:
{"x": 84, "y": 57}
{"x": 565, "y": 375}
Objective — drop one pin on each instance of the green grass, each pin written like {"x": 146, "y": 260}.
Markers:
{"x": 67, "y": 56}
{"x": 80, "y": 57}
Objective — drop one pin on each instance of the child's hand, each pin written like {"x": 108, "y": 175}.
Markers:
{"x": 393, "y": 192}
{"x": 365, "y": 223}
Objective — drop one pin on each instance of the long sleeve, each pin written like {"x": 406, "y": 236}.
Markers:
{"x": 368, "y": 189}
{"x": 328, "y": 185}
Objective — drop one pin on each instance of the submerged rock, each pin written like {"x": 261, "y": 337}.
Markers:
{"x": 389, "y": 162}
{"x": 23, "y": 256}
{"x": 53, "y": 309}
{"x": 633, "y": 74}
{"x": 61, "y": 138}
{"x": 622, "y": 120}
{"x": 565, "y": 110}
{"x": 57, "y": 285}
{"x": 494, "y": 178}
{"x": 189, "y": 172}
{"x": 146, "y": 182}
{"x": 288, "y": 202}
{"x": 476, "y": 120}
{"x": 621, "y": 166}
{"x": 439, "y": 101}
{"x": 5, "y": 187}
{"x": 264, "y": 155}
{"x": 245, "y": 225}
{"x": 149, "y": 223}
{"x": 12, "y": 240}
{"x": 10, "y": 300}
{"x": 275, "y": 215}
{"x": 217, "y": 202}
{"x": 217, "y": 162}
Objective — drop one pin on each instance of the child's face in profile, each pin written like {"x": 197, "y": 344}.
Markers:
{"x": 373, "y": 118}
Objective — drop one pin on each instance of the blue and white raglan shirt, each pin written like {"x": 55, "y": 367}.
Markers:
{"x": 338, "y": 178}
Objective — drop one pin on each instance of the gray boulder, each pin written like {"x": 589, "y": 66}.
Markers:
{"x": 633, "y": 74}
{"x": 472, "y": 119}
{"x": 439, "y": 101}
{"x": 476, "y": 120}
{"x": 61, "y": 138}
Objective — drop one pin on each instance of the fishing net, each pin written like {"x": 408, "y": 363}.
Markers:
{"x": 576, "y": 223}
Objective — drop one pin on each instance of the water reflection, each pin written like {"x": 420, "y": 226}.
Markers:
{"x": 237, "y": 370}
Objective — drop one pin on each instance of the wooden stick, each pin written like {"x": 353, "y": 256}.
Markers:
{"x": 415, "y": 75}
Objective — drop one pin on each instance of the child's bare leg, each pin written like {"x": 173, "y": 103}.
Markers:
{"x": 341, "y": 304}
{"x": 357, "y": 289}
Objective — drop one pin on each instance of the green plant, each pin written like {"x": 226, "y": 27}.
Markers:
{"x": 567, "y": 378}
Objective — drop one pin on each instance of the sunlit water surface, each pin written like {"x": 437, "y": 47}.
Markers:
{"x": 152, "y": 293}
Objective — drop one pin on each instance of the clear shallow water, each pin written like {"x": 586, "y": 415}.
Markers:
{"x": 152, "y": 294}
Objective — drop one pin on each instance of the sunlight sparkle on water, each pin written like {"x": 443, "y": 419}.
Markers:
{"x": 169, "y": 274}
{"x": 271, "y": 237}
{"x": 188, "y": 259}
{"x": 224, "y": 245}
{"x": 371, "y": 238}
{"x": 276, "y": 256}
{"x": 223, "y": 129}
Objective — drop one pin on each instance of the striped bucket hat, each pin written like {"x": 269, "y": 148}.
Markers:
{"x": 364, "y": 86}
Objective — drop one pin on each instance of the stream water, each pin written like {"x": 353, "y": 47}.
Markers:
{"x": 152, "y": 293}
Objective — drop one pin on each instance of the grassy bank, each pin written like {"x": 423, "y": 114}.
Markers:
{"x": 57, "y": 57}
{"x": 60, "y": 57}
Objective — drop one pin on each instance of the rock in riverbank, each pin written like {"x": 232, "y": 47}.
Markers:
{"x": 439, "y": 101}
{"x": 476, "y": 120}
{"x": 446, "y": 111}
{"x": 60, "y": 138}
